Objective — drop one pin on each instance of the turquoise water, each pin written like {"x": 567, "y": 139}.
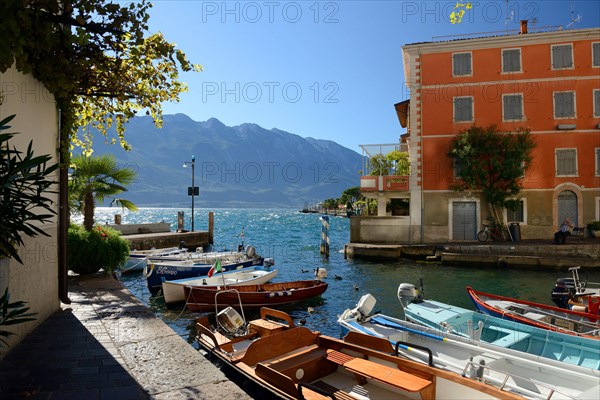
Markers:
{"x": 292, "y": 239}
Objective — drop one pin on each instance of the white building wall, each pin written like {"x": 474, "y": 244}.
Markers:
{"x": 36, "y": 280}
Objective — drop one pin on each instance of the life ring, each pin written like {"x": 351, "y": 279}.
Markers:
{"x": 148, "y": 270}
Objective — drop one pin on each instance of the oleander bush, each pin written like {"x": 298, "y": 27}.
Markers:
{"x": 89, "y": 251}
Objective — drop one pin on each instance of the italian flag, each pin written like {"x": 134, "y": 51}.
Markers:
{"x": 214, "y": 268}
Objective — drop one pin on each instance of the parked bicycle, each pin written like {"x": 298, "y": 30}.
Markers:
{"x": 496, "y": 234}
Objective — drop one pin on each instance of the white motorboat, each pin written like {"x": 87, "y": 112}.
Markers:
{"x": 173, "y": 291}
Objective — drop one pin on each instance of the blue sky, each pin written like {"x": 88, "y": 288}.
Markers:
{"x": 325, "y": 69}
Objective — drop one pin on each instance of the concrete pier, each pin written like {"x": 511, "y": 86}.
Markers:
{"x": 522, "y": 254}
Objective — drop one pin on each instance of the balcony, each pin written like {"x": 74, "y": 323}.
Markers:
{"x": 385, "y": 183}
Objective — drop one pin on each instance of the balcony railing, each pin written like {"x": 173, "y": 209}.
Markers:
{"x": 385, "y": 183}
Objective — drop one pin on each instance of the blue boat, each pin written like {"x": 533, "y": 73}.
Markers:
{"x": 157, "y": 273}
{"x": 508, "y": 334}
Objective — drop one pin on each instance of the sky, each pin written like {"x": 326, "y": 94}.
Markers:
{"x": 329, "y": 70}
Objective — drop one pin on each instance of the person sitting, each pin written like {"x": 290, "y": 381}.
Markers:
{"x": 565, "y": 230}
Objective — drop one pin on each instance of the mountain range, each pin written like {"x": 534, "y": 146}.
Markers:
{"x": 239, "y": 166}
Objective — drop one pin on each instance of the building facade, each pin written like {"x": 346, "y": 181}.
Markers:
{"x": 547, "y": 82}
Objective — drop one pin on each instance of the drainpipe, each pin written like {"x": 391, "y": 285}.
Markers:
{"x": 63, "y": 211}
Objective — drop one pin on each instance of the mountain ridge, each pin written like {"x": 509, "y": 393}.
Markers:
{"x": 235, "y": 166}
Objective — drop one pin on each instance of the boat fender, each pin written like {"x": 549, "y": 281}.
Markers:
{"x": 148, "y": 270}
{"x": 579, "y": 308}
{"x": 501, "y": 263}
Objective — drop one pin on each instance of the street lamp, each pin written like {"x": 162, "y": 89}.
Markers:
{"x": 193, "y": 190}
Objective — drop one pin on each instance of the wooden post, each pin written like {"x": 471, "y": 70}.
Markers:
{"x": 211, "y": 227}
{"x": 324, "y": 248}
{"x": 117, "y": 219}
{"x": 180, "y": 221}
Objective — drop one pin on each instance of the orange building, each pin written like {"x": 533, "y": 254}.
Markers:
{"x": 547, "y": 82}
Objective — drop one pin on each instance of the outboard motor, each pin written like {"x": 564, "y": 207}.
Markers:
{"x": 363, "y": 308}
{"x": 320, "y": 273}
{"x": 563, "y": 291}
{"x": 269, "y": 262}
{"x": 230, "y": 320}
{"x": 408, "y": 293}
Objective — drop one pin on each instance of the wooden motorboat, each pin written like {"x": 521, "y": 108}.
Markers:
{"x": 536, "y": 314}
{"x": 173, "y": 291}
{"x": 515, "y": 371}
{"x": 199, "y": 298}
{"x": 293, "y": 362}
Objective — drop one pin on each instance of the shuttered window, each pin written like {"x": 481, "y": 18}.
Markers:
{"x": 511, "y": 60}
{"x": 597, "y": 103}
{"x": 562, "y": 56}
{"x": 597, "y": 161}
{"x": 564, "y": 104}
{"x": 596, "y": 54}
{"x": 463, "y": 109}
{"x": 512, "y": 107}
{"x": 461, "y": 64}
{"x": 457, "y": 164}
{"x": 566, "y": 162}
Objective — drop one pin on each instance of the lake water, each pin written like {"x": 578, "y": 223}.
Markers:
{"x": 292, "y": 239}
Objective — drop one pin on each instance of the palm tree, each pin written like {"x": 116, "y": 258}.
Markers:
{"x": 96, "y": 178}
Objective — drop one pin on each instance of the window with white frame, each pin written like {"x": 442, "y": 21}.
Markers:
{"x": 461, "y": 64}
{"x": 566, "y": 162}
{"x": 564, "y": 105}
{"x": 512, "y": 107}
{"x": 562, "y": 56}
{"x": 596, "y": 54}
{"x": 511, "y": 60}
{"x": 518, "y": 214}
{"x": 597, "y": 103}
{"x": 463, "y": 109}
{"x": 597, "y": 149}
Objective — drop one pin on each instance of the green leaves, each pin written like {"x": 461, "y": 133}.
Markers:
{"x": 25, "y": 181}
{"x": 95, "y": 59}
{"x": 96, "y": 178}
{"x": 12, "y": 314}
{"x": 492, "y": 161}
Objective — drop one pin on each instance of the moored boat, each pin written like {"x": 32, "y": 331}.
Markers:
{"x": 504, "y": 333}
{"x": 137, "y": 259}
{"x": 575, "y": 294}
{"x": 522, "y": 373}
{"x": 173, "y": 291}
{"x": 293, "y": 362}
{"x": 536, "y": 314}
{"x": 269, "y": 294}
{"x": 158, "y": 272}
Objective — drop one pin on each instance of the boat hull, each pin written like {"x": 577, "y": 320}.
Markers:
{"x": 271, "y": 294}
{"x": 173, "y": 291}
{"x": 536, "y": 314}
{"x": 569, "y": 349}
{"x": 157, "y": 273}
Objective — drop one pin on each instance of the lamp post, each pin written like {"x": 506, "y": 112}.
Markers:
{"x": 193, "y": 190}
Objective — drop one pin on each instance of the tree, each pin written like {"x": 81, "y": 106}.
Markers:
{"x": 400, "y": 162}
{"x": 350, "y": 196}
{"x": 97, "y": 59}
{"x": 493, "y": 162}
{"x": 380, "y": 165}
{"x": 96, "y": 178}
{"x": 456, "y": 16}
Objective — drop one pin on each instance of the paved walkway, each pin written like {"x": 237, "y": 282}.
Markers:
{"x": 108, "y": 345}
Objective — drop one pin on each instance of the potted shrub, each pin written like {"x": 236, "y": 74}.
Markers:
{"x": 593, "y": 228}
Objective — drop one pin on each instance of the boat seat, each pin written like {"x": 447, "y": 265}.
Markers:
{"x": 510, "y": 339}
{"x": 381, "y": 373}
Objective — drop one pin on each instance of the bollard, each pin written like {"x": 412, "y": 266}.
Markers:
{"x": 324, "y": 248}
{"x": 117, "y": 219}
